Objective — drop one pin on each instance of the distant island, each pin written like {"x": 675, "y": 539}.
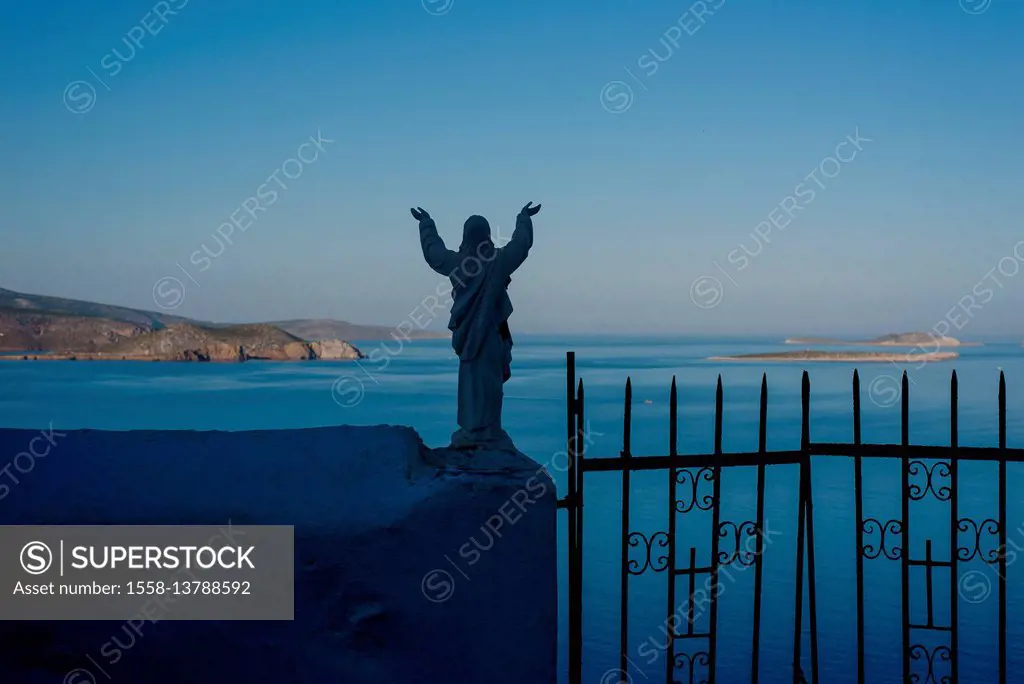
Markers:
{"x": 40, "y": 327}
{"x": 810, "y": 355}
{"x": 909, "y": 339}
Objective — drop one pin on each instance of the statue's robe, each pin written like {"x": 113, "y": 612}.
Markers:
{"x": 480, "y": 275}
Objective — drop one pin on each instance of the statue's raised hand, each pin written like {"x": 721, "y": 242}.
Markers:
{"x": 530, "y": 210}
{"x": 420, "y": 214}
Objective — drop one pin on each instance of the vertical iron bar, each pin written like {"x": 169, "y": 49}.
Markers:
{"x": 693, "y": 589}
{"x": 762, "y": 447}
{"x": 805, "y": 439}
{"x": 575, "y": 622}
{"x": 718, "y": 416}
{"x": 809, "y": 513}
{"x": 905, "y": 501}
{"x": 580, "y": 453}
{"x": 715, "y": 522}
{"x": 954, "y": 521}
{"x": 798, "y": 614}
{"x": 580, "y": 449}
{"x": 856, "y": 407}
{"x": 858, "y": 486}
{"x": 673, "y": 447}
{"x": 928, "y": 582}
{"x": 1002, "y": 529}
{"x": 627, "y": 413}
{"x": 805, "y": 412}
{"x": 762, "y": 434}
{"x": 811, "y": 584}
{"x": 624, "y": 588}
{"x": 673, "y": 413}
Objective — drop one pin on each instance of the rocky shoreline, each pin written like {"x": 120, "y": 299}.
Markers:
{"x": 184, "y": 343}
{"x": 189, "y": 355}
{"x": 35, "y": 356}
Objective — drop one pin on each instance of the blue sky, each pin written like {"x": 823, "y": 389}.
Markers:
{"x": 478, "y": 106}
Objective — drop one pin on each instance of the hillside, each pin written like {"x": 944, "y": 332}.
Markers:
{"x": 9, "y": 299}
{"x": 27, "y": 330}
{"x": 327, "y": 328}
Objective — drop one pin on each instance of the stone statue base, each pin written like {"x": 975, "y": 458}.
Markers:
{"x": 484, "y": 440}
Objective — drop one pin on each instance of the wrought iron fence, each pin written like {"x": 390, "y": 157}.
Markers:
{"x": 692, "y": 653}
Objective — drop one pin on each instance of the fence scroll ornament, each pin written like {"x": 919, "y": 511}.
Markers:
{"x": 651, "y": 560}
{"x": 931, "y": 479}
{"x": 976, "y": 531}
{"x": 691, "y": 481}
{"x": 690, "y": 667}
{"x": 739, "y": 551}
{"x": 888, "y": 529}
{"x": 930, "y": 665}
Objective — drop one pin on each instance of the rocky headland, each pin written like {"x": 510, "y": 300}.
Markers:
{"x": 52, "y": 328}
{"x": 59, "y": 328}
{"x": 185, "y": 342}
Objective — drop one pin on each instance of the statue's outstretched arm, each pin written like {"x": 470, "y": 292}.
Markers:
{"x": 437, "y": 256}
{"x": 518, "y": 248}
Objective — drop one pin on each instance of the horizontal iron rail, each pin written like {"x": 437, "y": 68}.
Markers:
{"x": 921, "y": 562}
{"x": 753, "y": 458}
{"x": 693, "y": 571}
{"x": 687, "y": 461}
{"x": 920, "y": 451}
{"x": 931, "y": 628}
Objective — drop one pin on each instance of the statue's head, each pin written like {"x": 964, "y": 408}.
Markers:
{"x": 476, "y": 237}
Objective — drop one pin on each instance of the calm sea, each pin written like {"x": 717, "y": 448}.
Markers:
{"x": 416, "y": 386}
